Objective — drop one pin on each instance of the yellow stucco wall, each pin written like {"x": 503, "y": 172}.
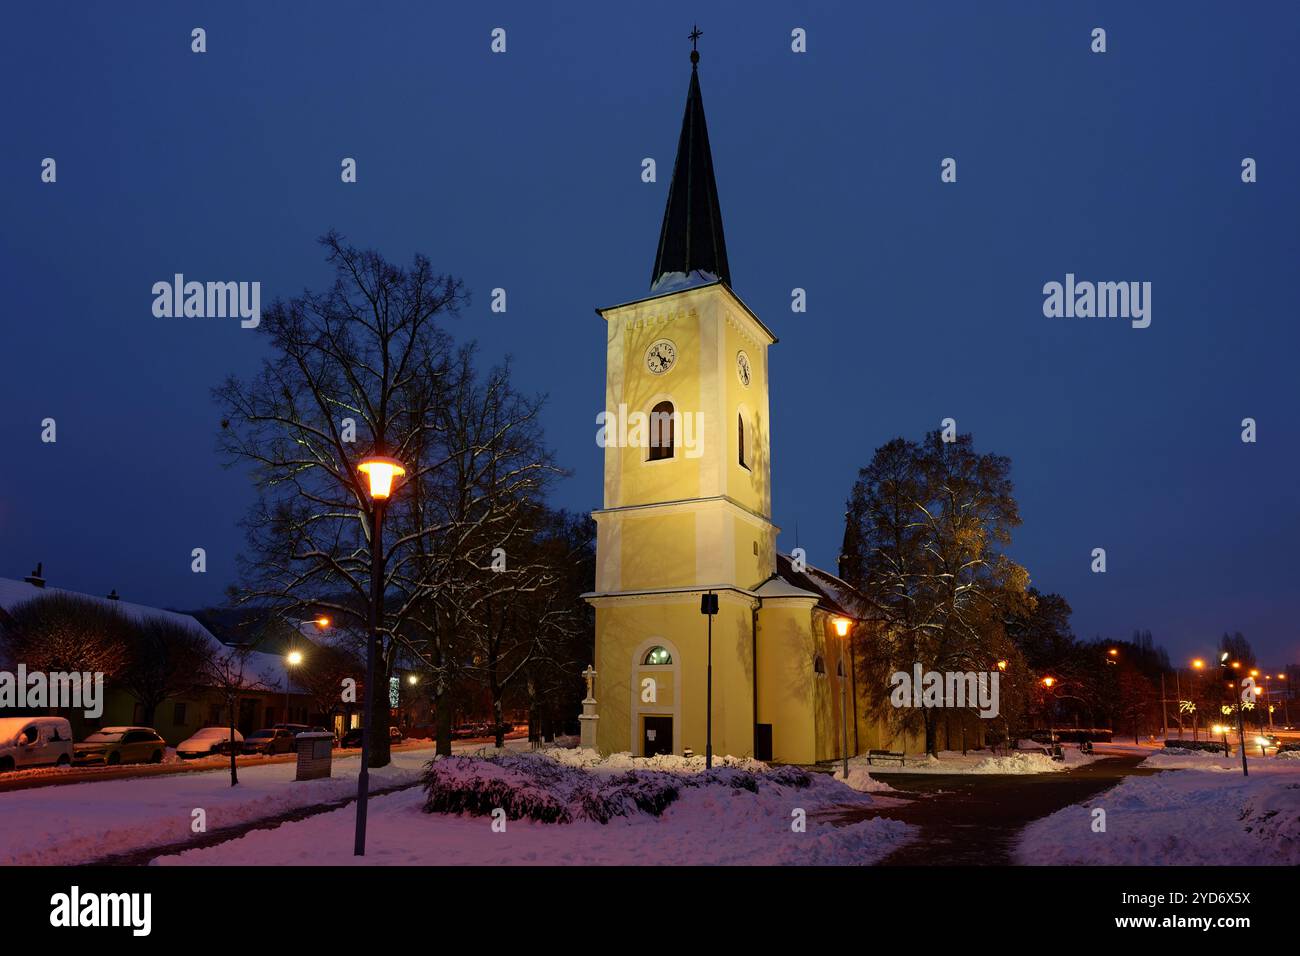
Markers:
{"x": 627, "y": 629}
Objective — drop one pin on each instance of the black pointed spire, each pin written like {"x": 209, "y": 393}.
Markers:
{"x": 691, "y": 241}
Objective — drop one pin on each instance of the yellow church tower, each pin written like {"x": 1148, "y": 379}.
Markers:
{"x": 687, "y": 496}
{"x": 687, "y": 509}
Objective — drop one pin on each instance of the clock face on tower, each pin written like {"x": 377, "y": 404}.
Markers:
{"x": 742, "y": 368}
{"x": 660, "y": 356}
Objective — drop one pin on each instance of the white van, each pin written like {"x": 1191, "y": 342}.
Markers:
{"x": 33, "y": 741}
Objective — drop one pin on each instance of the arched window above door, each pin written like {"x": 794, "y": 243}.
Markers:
{"x": 657, "y": 655}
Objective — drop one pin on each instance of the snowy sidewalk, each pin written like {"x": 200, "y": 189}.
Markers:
{"x": 85, "y": 822}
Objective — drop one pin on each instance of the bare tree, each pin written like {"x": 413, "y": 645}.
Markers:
{"x": 355, "y": 370}
{"x": 70, "y": 633}
{"x": 164, "y": 659}
{"x": 227, "y": 672}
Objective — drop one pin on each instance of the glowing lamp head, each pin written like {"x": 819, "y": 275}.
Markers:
{"x": 1254, "y": 673}
{"x": 1049, "y": 681}
{"x": 1198, "y": 663}
{"x": 294, "y": 658}
{"x": 381, "y": 471}
{"x": 322, "y": 622}
{"x": 1002, "y": 665}
{"x": 1258, "y": 691}
{"x": 413, "y": 680}
{"x": 1113, "y": 652}
{"x": 1223, "y": 657}
{"x": 1236, "y": 665}
{"x": 842, "y": 626}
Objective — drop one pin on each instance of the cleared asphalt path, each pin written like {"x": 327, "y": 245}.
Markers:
{"x": 973, "y": 819}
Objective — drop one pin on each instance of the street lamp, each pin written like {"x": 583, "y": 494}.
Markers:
{"x": 709, "y": 607}
{"x": 1236, "y": 700}
{"x": 381, "y": 471}
{"x": 1198, "y": 665}
{"x": 842, "y": 625}
{"x": 292, "y": 659}
{"x": 1049, "y": 683}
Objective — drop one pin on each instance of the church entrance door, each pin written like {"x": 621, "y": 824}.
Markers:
{"x": 656, "y": 736}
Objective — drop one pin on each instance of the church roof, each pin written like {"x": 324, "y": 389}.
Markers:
{"x": 834, "y": 595}
{"x": 691, "y": 250}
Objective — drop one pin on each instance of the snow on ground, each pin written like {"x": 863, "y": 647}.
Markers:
{"x": 862, "y": 781}
{"x": 977, "y": 761}
{"x": 710, "y": 822}
{"x": 592, "y": 760}
{"x": 1201, "y": 811}
{"x": 77, "y": 823}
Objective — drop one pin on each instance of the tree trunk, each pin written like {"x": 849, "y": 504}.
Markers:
{"x": 234, "y": 773}
{"x": 495, "y": 687}
{"x": 534, "y": 731}
{"x": 931, "y": 737}
{"x": 443, "y": 720}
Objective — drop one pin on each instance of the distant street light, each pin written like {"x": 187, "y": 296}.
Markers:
{"x": 292, "y": 659}
{"x": 381, "y": 472}
{"x": 842, "y": 625}
{"x": 1049, "y": 683}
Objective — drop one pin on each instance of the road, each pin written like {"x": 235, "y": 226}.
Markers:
{"x": 973, "y": 819}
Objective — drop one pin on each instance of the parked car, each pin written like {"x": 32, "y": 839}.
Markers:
{"x": 296, "y": 729}
{"x": 34, "y": 742}
{"x": 115, "y": 745}
{"x": 270, "y": 740}
{"x": 353, "y": 737}
{"x": 209, "y": 740}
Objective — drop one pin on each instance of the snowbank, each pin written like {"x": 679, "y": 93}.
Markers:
{"x": 1204, "y": 814}
{"x": 862, "y": 781}
{"x": 729, "y": 816}
{"x": 592, "y": 760}
{"x": 978, "y": 762}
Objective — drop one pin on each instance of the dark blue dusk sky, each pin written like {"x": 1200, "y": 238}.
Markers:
{"x": 522, "y": 171}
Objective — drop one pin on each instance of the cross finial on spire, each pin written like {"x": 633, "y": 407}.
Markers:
{"x": 694, "y": 37}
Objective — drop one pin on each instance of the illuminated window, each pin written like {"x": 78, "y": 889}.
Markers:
{"x": 661, "y": 431}
{"x": 658, "y": 655}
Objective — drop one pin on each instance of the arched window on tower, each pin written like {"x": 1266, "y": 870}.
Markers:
{"x": 740, "y": 437}
{"x": 661, "y": 431}
{"x": 658, "y": 655}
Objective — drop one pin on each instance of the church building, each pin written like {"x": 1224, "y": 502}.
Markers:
{"x": 688, "y": 514}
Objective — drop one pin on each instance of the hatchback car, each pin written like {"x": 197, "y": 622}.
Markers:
{"x": 271, "y": 740}
{"x": 209, "y": 740}
{"x": 114, "y": 745}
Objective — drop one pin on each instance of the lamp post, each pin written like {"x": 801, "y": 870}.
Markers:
{"x": 1049, "y": 683}
{"x": 842, "y": 625}
{"x": 292, "y": 659}
{"x": 709, "y": 607}
{"x": 1197, "y": 666}
{"x": 1236, "y": 700}
{"x": 1006, "y": 724}
{"x": 379, "y": 471}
